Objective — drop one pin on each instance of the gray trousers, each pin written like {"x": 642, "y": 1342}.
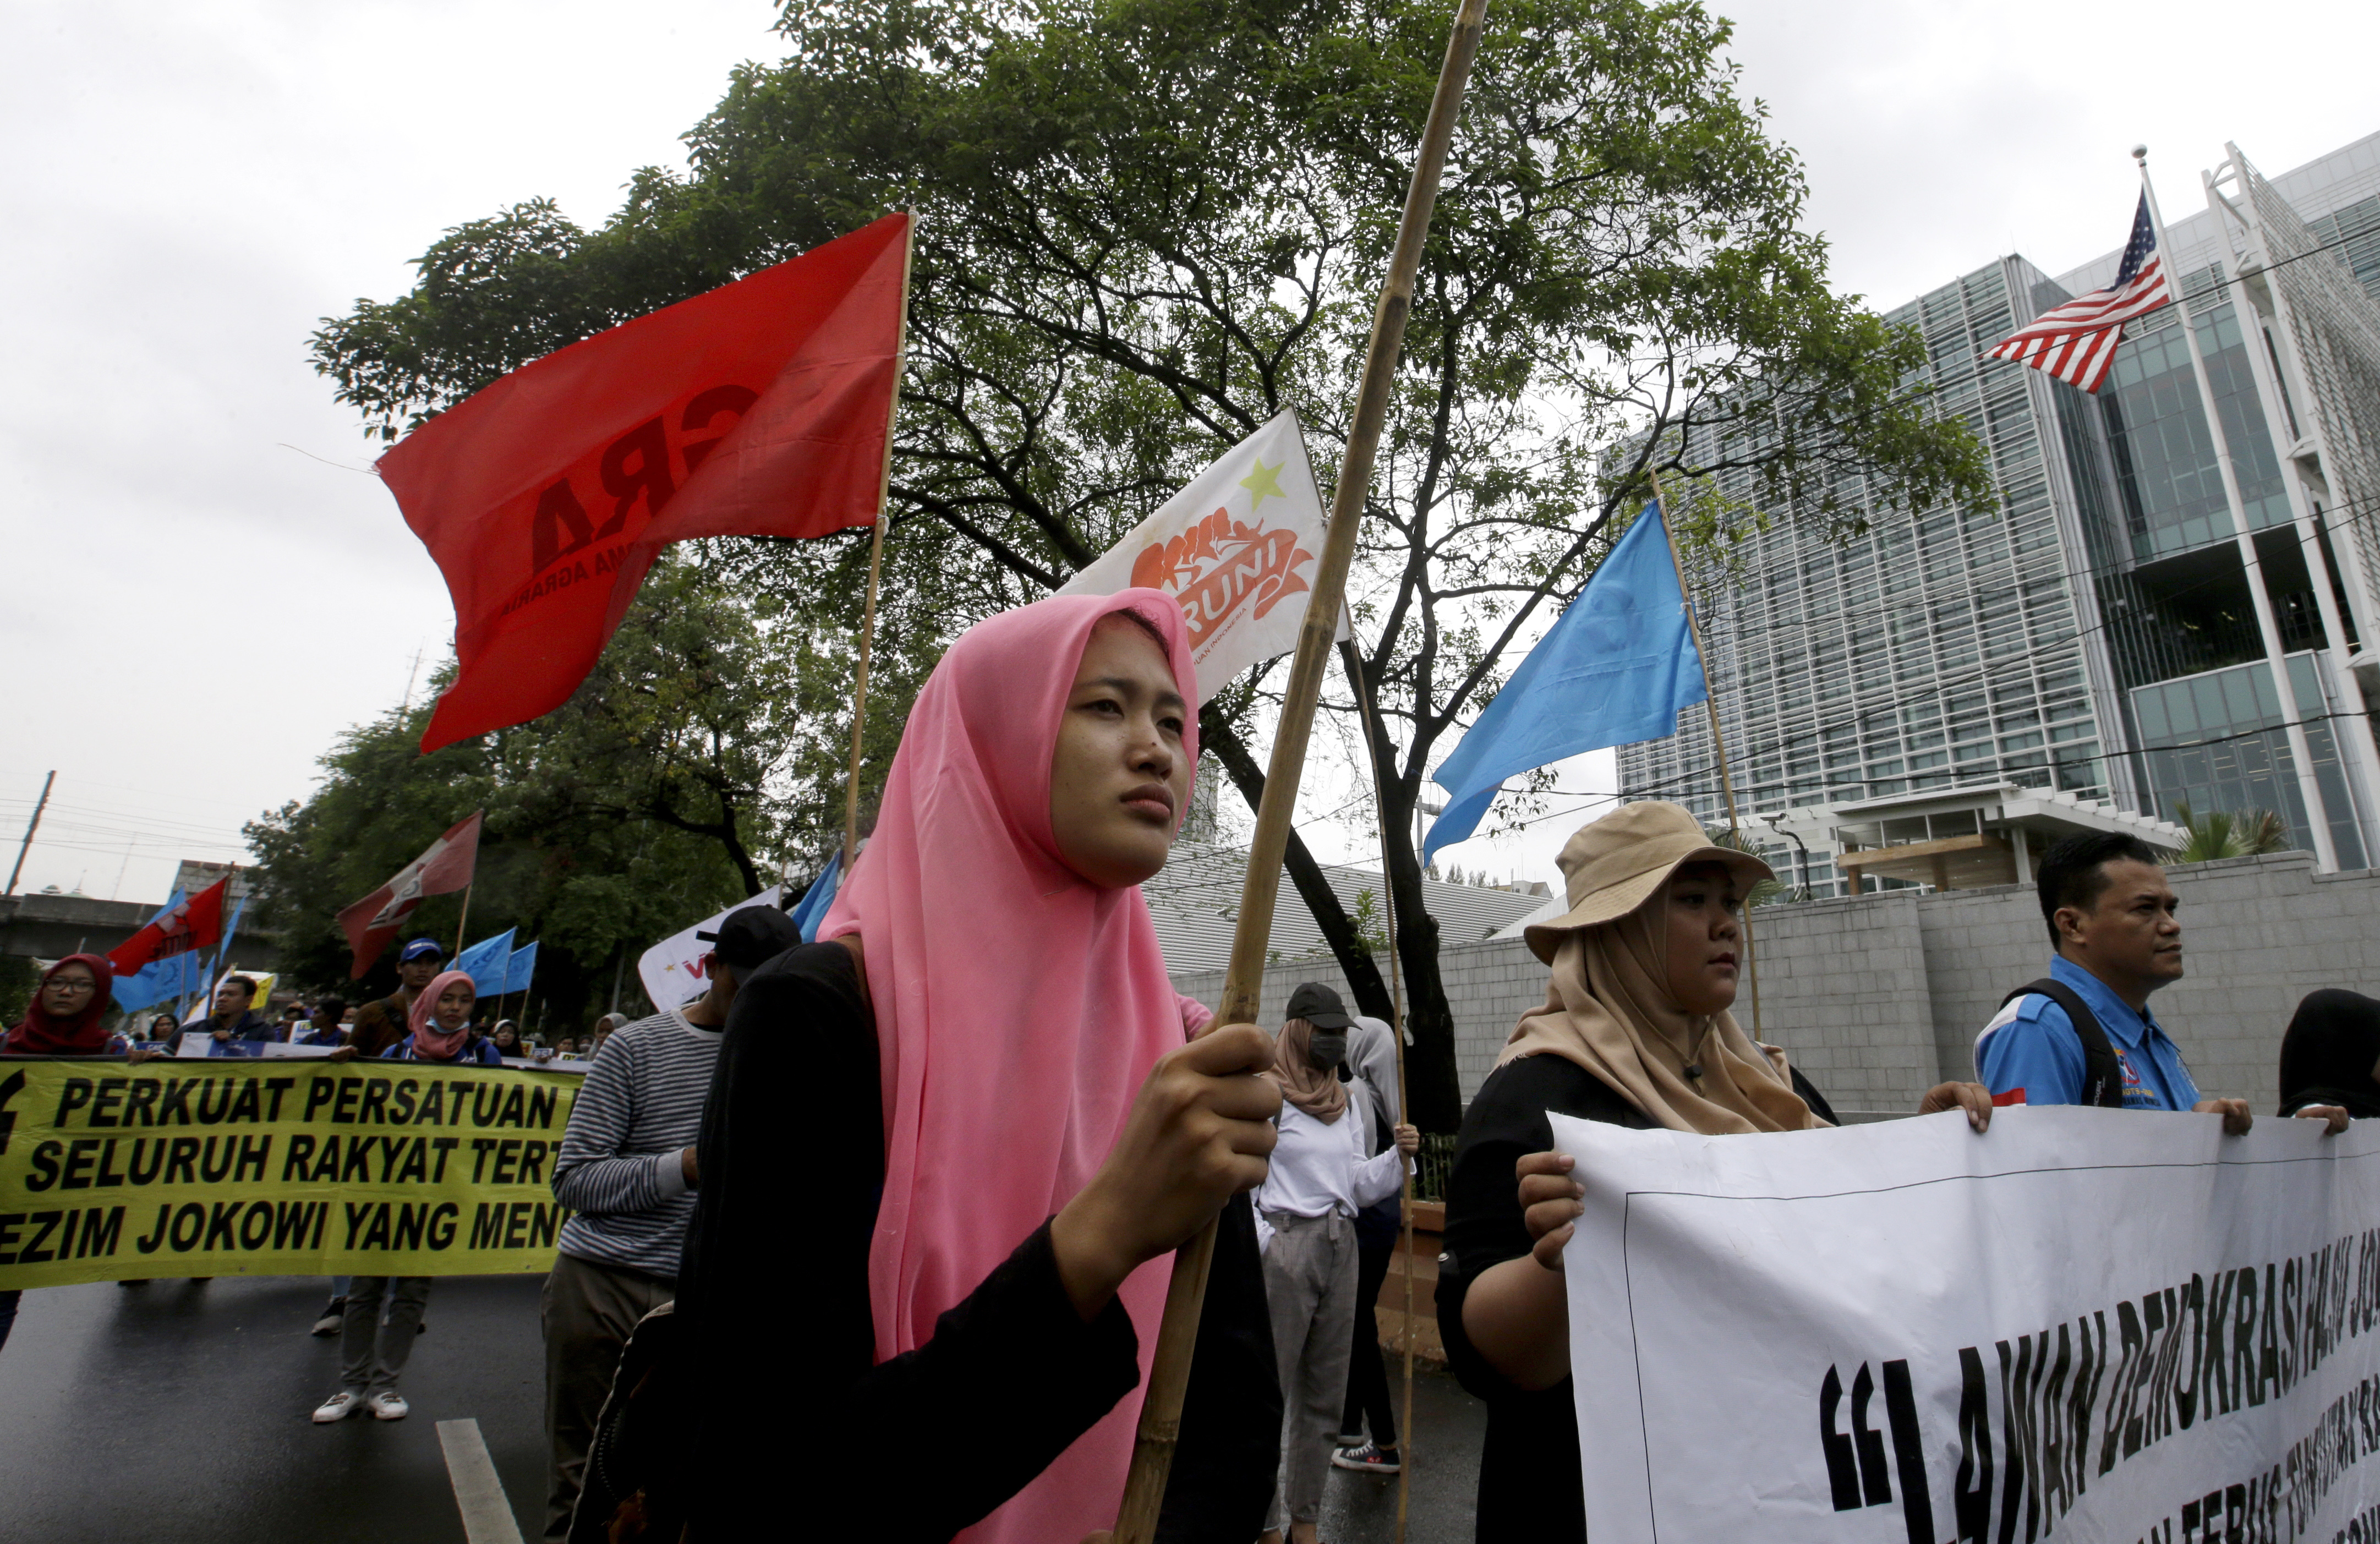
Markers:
{"x": 587, "y": 1311}
{"x": 1309, "y": 1273}
{"x": 371, "y": 1353}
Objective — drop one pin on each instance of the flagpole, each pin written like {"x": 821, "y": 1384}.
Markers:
{"x": 1161, "y": 1411}
{"x": 876, "y": 560}
{"x": 2317, "y": 814}
{"x": 1719, "y": 741}
{"x": 464, "y": 920}
{"x": 1355, "y": 664}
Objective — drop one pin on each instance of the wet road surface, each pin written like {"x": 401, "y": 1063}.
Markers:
{"x": 179, "y": 1410}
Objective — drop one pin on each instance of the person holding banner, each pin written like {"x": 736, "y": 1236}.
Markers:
{"x": 63, "y": 1019}
{"x": 1635, "y": 1031}
{"x": 1015, "y": 1140}
{"x": 2330, "y": 1057}
{"x": 236, "y": 1026}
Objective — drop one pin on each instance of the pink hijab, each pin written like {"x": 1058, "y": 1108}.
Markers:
{"x": 430, "y": 1042}
{"x": 1018, "y": 1007}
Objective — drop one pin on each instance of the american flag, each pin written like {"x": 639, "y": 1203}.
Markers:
{"x": 2077, "y": 341}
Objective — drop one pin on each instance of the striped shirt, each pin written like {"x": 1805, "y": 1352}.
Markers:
{"x": 620, "y": 1171}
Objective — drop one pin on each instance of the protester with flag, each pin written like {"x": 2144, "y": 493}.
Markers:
{"x": 1635, "y": 1031}
{"x": 1014, "y": 1140}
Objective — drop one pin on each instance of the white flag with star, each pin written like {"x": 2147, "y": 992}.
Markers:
{"x": 1237, "y": 547}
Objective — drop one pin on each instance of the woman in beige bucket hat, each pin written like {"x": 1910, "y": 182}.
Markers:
{"x": 1635, "y": 1031}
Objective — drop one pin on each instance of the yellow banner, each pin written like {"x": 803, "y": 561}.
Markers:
{"x": 291, "y": 1167}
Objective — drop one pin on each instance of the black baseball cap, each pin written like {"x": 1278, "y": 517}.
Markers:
{"x": 1318, "y": 1005}
{"x": 753, "y": 936}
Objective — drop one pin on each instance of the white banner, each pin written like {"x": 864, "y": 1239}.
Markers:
{"x": 672, "y": 969}
{"x": 1243, "y": 539}
{"x": 2086, "y": 1324}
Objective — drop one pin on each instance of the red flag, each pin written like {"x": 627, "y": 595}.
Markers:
{"x": 444, "y": 867}
{"x": 196, "y": 923}
{"x": 760, "y": 408}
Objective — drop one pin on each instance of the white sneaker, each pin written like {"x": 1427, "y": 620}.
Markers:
{"x": 388, "y": 1405}
{"x": 338, "y": 1408}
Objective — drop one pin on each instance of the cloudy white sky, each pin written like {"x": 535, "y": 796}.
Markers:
{"x": 206, "y": 589}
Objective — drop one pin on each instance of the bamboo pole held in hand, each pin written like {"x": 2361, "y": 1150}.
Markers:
{"x": 1161, "y": 1412}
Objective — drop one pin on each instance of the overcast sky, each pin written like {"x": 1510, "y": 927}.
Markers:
{"x": 206, "y": 588}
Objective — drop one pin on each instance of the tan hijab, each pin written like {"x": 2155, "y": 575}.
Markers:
{"x": 1608, "y": 1010}
{"x": 1315, "y": 1091}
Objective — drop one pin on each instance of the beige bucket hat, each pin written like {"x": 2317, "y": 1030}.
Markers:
{"x": 1612, "y": 866}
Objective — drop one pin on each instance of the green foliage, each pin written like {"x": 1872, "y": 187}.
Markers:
{"x": 2218, "y": 833}
{"x": 1145, "y": 227}
{"x": 706, "y": 750}
{"x": 18, "y": 977}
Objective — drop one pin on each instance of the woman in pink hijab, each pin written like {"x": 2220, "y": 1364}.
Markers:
{"x": 949, "y": 1147}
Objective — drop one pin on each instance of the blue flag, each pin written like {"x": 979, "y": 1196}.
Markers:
{"x": 522, "y": 966}
{"x": 811, "y": 910}
{"x": 1614, "y": 669}
{"x": 487, "y": 962}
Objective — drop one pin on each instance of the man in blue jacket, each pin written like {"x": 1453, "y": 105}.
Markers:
{"x": 2111, "y": 916}
{"x": 238, "y": 1030}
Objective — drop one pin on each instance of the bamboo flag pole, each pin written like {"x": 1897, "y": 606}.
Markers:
{"x": 1160, "y": 1412}
{"x": 464, "y": 920}
{"x": 1396, "y": 1037}
{"x": 1719, "y": 741}
{"x": 876, "y": 562}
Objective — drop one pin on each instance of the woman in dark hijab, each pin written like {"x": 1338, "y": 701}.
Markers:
{"x": 2331, "y": 1054}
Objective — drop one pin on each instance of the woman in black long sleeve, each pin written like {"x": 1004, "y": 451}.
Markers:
{"x": 949, "y": 1148}
{"x": 1635, "y": 1031}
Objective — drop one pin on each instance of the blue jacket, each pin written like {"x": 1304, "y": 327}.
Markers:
{"x": 2031, "y": 1054}
{"x": 483, "y": 1051}
{"x": 246, "y": 1036}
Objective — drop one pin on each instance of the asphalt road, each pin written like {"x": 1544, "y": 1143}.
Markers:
{"x": 179, "y": 1410}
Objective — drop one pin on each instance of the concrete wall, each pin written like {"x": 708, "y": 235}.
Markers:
{"x": 1881, "y": 997}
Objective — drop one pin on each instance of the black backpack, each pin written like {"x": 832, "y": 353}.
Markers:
{"x": 2103, "y": 1073}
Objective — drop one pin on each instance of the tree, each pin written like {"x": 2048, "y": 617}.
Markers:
{"x": 1147, "y": 226}
{"x": 704, "y": 755}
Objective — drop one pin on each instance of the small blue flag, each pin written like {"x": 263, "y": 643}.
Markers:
{"x": 522, "y": 966}
{"x": 811, "y": 910}
{"x": 487, "y": 963}
{"x": 1614, "y": 669}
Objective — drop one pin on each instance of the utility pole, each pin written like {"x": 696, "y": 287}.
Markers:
{"x": 30, "y": 826}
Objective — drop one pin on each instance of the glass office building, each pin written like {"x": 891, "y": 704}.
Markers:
{"x": 2095, "y": 637}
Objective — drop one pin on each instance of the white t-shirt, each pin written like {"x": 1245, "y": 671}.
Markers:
{"x": 1319, "y": 1169}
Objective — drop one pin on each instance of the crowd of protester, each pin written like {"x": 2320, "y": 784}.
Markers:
{"x": 1026, "y": 1120}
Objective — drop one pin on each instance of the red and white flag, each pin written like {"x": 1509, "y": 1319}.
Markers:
{"x": 1236, "y": 548}
{"x": 2077, "y": 341}
{"x": 195, "y": 923}
{"x": 444, "y": 867}
{"x": 759, "y": 408}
